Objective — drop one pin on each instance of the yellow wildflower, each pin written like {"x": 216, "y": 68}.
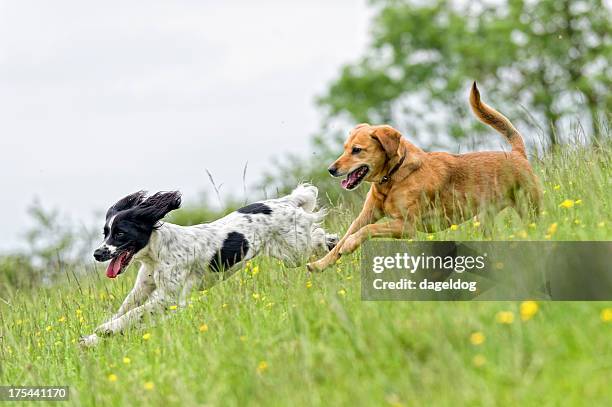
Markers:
{"x": 454, "y": 227}
{"x": 430, "y": 237}
{"x": 532, "y": 225}
{"x": 262, "y": 366}
{"x": 308, "y": 284}
{"x": 203, "y": 328}
{"x": 148, "y": 386}
{"x": 504, "y": 317}
{"x": 568, "y": 203}
{"x": 255, "y": 296}
{"x": 62, "y": 319}
{"x": 528, "y": 310}
{"x": 557, "y": 187}
{"x": 255, "y": 270}
{"x": 146, "y": 336}
{"x": 578, "y": 201}
{"x": 49, "y": 328}
{"x": 606, "y": 315}
{"x": 112, "y": 377}
{"x": 342, "y": 292}
{"x": 126, "y": 360}
{"x": 476, "y": 224}
{"x": 477, "y": 338}
{"x": 522, "y": 234}
{"x": 552, "y": 229}
{"x": 172, "y": 307}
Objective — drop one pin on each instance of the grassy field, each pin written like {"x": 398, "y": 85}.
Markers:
{"x": 276, "y": 336}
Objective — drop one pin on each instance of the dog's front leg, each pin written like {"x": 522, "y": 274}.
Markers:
{"x": 396, "y": 228}
{"x": 369, "y": 214}
{"x": 143, "y": 287}
{"x": 155, "y": 304}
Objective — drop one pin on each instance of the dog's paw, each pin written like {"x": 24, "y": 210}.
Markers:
{"x": 315, "y": 266}
{"x": 89, "y": 341}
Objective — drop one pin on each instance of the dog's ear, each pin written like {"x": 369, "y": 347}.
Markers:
{"x": 389, "y": 139}
{"x": 155, "y": 207}
{"x": 127, "y": 202}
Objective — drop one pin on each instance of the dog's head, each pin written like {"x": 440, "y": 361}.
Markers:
{"x": 369, "y": 152}
{"x": 128, "y": 227}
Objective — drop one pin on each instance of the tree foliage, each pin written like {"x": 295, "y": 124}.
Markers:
{"x": 543, "y": 62}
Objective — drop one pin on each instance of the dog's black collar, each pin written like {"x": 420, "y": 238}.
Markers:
{"x": 396, "y": 167}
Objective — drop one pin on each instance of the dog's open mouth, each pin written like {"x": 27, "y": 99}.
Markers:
{"x": 118, "y": 264}
{"x": 354, "y": 178}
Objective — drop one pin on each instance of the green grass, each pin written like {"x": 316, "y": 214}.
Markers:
{"x": 281, "y": 337}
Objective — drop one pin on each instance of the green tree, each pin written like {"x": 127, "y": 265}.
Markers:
{"x": 546, "y": 59}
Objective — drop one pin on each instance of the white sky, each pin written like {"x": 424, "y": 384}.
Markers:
{"x": 100, "y": 99}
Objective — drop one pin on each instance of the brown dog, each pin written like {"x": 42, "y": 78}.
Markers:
{"x": 420, "y": 190}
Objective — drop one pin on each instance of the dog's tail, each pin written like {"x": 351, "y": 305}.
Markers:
{"x": 498, "y": 121}
{"x": 305, "y": 196}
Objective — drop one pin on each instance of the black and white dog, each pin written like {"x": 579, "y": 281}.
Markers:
{"x": 174, "y": 258}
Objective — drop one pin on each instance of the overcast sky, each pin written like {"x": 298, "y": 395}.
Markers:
{"x": 100, "y": 99}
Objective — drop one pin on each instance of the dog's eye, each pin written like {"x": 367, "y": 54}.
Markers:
{"x": 356, "y": 150}
{"x": 119, "y": 234}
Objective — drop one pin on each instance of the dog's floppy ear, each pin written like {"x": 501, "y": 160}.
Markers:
{"x": 155, "y": 207}
{"x": 396, "y": 151}
{"x": 389, "y": 139}
{"x": 127, "y": 202}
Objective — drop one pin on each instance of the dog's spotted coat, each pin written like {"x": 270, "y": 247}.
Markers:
{"x": 175, "y": 258}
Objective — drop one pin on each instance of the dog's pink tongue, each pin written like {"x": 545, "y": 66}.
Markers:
{"x": 115, "y": 266}
{"x": 348, "y": 181}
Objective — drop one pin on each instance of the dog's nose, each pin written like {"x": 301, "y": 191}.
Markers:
{"x": 101, "y": 254}
{"x": 333, "y": 171}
